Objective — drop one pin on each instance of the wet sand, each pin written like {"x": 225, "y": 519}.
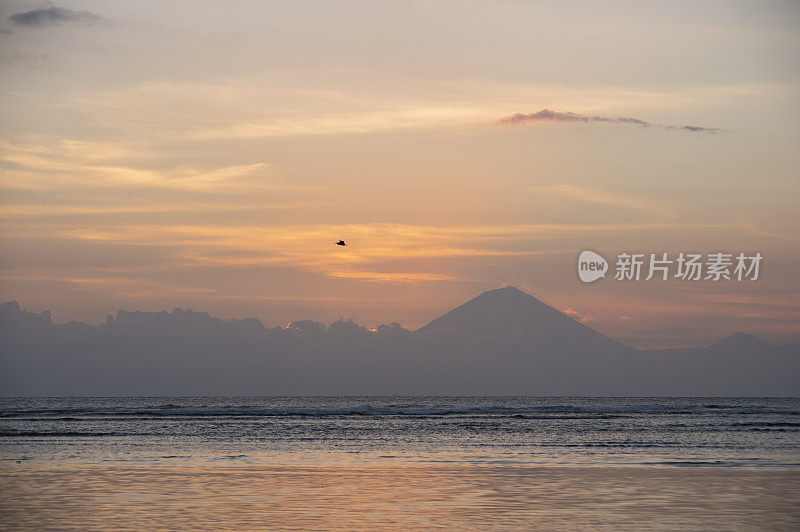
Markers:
{"x": 355, "y": 495}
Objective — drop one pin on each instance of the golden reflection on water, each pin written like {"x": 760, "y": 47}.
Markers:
{"x": 354, "y": 494}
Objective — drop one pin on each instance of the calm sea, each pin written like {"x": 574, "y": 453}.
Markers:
{"x": 718, "y": 432}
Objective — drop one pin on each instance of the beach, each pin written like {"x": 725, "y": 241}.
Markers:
{"x": 350, "y": 493}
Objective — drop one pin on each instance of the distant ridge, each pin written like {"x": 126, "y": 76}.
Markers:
{"x": 741, "y": 342}
{"x": 502, "y": 342}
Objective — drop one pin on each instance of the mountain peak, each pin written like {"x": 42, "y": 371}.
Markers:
{"x": 508, "y": 290}
{"x": 511, "y": 313}
{"x": 506, "y": 293}
{"x": 493, "y": 311}
{"x": 741, "y": 340}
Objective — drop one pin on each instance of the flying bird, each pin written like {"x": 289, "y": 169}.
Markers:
{"x": 341, "y": 243}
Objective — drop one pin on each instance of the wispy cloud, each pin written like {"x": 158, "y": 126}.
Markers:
{"x": 394, "y": 277}
{"x": 343, "y": 123}
{"x": 70, "y": 163}
{"x": 547, "y": 115}
{"x": 55, "y": 16}
{"x": 386, "y": 253}
{"x": 603, "y": 197}
{"x": 577, "y": 316}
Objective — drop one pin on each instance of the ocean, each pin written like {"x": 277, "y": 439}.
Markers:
{"x": 517, "y": 462}
{"x": 722, "y": 432}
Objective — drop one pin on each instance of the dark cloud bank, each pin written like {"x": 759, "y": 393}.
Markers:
{"x": 503, "y": 342}
{"x": 55, "y": 16}
{"x": 546, "y": 115}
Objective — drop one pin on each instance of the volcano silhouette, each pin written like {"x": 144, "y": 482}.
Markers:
{"x": 512, "y": 314}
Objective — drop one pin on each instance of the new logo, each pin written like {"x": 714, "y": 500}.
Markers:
{"x": 591, "y": 266}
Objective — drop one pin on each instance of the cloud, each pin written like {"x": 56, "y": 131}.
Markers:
{"x": 395, "y": 277}
{"x": 343, "y": 123}
{"x": 547, "y": 115}
{"x": 577, "y": 316}
{"x": 100, "y": 163}
{"x": 55, "y": 16}
{"x": 602, "y": 197}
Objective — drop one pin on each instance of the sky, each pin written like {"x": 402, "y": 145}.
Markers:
{"x": 208, "y": 155}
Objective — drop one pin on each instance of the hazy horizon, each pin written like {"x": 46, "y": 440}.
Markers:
{"x": 502, "y": 342}
{"x": 342, "y": 319}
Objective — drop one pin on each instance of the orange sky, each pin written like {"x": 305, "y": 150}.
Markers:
{"x": 208, "y": 156}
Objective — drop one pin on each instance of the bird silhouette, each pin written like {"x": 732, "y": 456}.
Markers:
{"x": 341, "y": 243}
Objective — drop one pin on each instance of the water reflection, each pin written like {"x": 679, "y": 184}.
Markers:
{"x": 345, "y": 491}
